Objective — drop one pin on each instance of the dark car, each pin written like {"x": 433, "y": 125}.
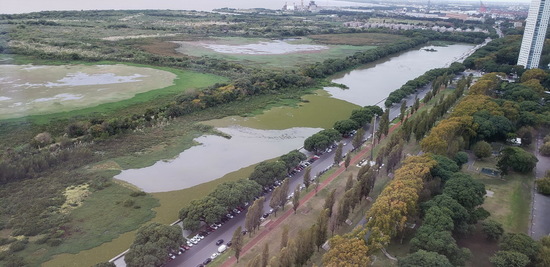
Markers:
{"x": 219, "y": 242}
{"x": 229, "y": 243}
{"x": 266, "y": 215}
{"x": 200, "y": 265}
{"x": 207, "y": 261}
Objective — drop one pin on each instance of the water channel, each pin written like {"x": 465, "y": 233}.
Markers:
{"x": 278, "y": 130}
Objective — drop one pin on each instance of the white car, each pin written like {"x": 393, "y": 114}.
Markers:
{"x": 215, "y": 255}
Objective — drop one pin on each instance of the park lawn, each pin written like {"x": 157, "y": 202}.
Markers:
{"x": 510, "y": 204}
{"x": 89, "y": 226}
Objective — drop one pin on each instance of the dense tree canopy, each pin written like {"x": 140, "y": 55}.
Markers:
{"x": 152, "y": 244}
{"x": 422, "y": 258}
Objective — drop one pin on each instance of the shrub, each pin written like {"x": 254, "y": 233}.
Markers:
{"x": 545, "y": 149}
{"x": 461, "y": 158}
{"x": 54, "y": 242}
{"x": 137, "y": 194}
{"x": 18, "y": 246}
{"x": 543, "y": 185}
{"x": 128, "y": 203}
{"x": 482, "y": 149}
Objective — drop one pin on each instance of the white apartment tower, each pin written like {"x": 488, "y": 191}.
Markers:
{"x": 534, "y": 35}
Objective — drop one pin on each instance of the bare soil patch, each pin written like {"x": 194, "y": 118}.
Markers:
{"x": 481, "y": 248}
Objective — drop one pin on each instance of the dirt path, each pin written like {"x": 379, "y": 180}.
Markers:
{"x": 273, "y": 224}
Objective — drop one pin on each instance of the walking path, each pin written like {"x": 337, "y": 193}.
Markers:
{"x": 260, "y": 236}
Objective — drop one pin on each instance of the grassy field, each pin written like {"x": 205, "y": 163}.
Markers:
{"x": 510, "y": 203}
{"x": 90, "y": 226}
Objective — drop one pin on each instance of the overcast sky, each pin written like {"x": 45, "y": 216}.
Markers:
{"x": 24, "y": 6}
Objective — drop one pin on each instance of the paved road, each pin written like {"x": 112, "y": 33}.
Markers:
{"x": 540, "y": 218}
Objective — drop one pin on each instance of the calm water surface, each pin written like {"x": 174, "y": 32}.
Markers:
{"x": 373, "y": 82}
{"x": 216, "y": 156}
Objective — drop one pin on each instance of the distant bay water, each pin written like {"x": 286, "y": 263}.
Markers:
{"x": 26, "y": 6}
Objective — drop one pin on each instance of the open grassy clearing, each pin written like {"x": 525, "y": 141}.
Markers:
{"x": 285, "y": 59}
{"x": 510, "y": 203}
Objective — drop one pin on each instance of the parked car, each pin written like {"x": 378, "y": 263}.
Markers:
{"x": 207, "y": 261}
{"x": 215, "y": 255}
{"x": 229, "y": 243}
{"x": 219, "y": 242}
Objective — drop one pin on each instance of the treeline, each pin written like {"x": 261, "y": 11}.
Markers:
{"x": 229, "y": 195}
{"x": 412, "y": 85}
{"x": 480, "y": 117}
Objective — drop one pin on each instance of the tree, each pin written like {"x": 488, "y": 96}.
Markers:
{"x": 338, "y": 154}
{"x": 237, "y": 242}
{"x": 467, "y": 191}
{"x": 152, "y": 244}
{"x": 461, "y": 158}
{"x": 284, "y": 193}
{"x": 105, "y": 264}
{"x": 307, "y": 177}
{"x": 322, "y": 228}
{"x": 517, "y": 159}
{"x": 345, "y": 127}
{"x": 266, "y": 173}
{"x": 349, "y": 182}
{"x": 521, "y": 243}
{"x": 304, "y": 246}
{"x": 292, "y": 158}
{"x": 347, "y": 161}
{"x": 296, "y": 199}
{"x": 424, "y": 258}
{"x": 509, "y": 259}
{"x": 402, "y": 110}
{"x": 284, "y": 237}
{"x": 543, "y": 184}
{"x": 265, "y": 255}
{"x": 492, "y": 229}
{"x": 358, "y": 138}
{"x": 482, "y": 149}
{"x": 346, "y": 252}
{"x": 442, "y": 242}
{"x": 329, "y": 202}
{"x": 275, "y": 200}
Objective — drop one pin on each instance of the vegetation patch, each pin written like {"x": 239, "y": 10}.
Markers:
{"x": 358, "y": 39}
{"x": 74, "y": 197}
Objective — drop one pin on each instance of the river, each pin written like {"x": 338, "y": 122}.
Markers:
{"x": 279, "y": 132}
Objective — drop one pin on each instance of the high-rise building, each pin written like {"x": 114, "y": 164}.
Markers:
{"x": 534, "y": 35}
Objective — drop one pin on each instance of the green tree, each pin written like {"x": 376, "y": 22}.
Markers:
{"x": 430, "y": 239}
{"x": 423, "y": 258}
{"x": 266, "y": 173}
{"x": 467, "y": 191}
{"x": 307, "y": 177}
{"x": 517, "y": 159}
{"x": 237, "y": 242}
{"x": 152, "y": 244}
{"x": 358, "y": 138}
{"x": 345, "y": 127}
{"x": 349, "y": 182}
{"x": 347, "y": 161}
{"x": 275, "y": 200}
{"x": 509, "y": 259}
{"x": 543, "y": 184}
{"x": 482, "y": 149}
{"x": 255, "y": 262}
{"x": 292, "y": 158}
{"x": 322, "y": 228}
{"x": 338, "y": 154}
{"x": 105, "y": 264}
{"x": 521, "y": 243}
{"x": 329, "y": 202}
{"x": 296, "y": 199}
{"x": 402, "y": 110}
{"x": 284, "y": 193}
{"x": 461, "y": 158}
{"x": 492, "y": 229}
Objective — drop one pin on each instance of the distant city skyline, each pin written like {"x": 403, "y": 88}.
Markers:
{"x": 26, "y": 6}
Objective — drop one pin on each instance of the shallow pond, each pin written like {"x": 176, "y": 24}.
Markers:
{"x": 216, "y": 156}
{"x": 373, "y": 82}
{"x": 27, "y": 89}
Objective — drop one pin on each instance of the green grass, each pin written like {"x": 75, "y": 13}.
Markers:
{"x": 90, "y": 226}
